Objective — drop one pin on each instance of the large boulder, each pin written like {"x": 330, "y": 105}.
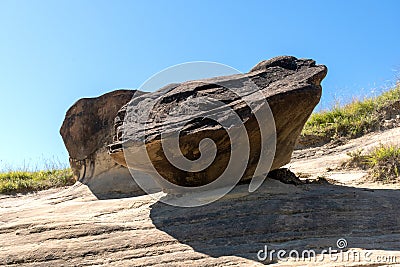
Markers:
{"x": 87, "y": 129}
{"x": 291, "y": 87}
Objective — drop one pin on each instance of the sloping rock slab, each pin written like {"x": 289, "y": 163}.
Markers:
{"x": 72, "y": 228}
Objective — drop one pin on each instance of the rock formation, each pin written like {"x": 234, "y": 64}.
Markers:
{"x": 71, "y": 227}
{"x": 291, "y": 87}
{"x": 87, "y": 129}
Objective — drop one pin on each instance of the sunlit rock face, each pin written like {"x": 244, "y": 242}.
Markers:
{"x": 290, "y": 86}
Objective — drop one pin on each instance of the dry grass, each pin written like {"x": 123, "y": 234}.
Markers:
{"x": 28, "y": 178}
{"x": 352, "y": 120}
{"x": 24, "y": 181}
{"x": 382, "y": 163}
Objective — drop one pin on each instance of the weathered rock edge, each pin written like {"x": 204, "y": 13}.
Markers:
{"x": 290, "y": 85}
{"x": 87, "y": 129}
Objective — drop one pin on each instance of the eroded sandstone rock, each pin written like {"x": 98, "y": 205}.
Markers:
{"x": 291, "y": 87}
{"x": 87, "y": 129}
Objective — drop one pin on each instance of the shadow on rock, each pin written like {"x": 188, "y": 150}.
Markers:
{"x": 282, "y": 216}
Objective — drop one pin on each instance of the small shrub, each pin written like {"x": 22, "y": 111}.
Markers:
{"x": 385, "y": 163}
{"x": 357, "y": 160}
{"x": 382, "y": 163}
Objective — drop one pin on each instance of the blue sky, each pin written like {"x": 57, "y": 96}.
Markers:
{"x": 55, "y": 52}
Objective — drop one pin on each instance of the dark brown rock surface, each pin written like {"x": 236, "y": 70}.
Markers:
{"x": 290, "y": 85}
{"x": 87, "y": 129}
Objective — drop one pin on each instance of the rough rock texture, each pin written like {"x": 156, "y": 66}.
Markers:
{"x": 87, "y": 129}
{"x": 290, "y": 85}
{"x": 72, "y": 228}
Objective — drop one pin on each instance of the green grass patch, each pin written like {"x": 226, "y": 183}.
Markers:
{"x": 12, "y": 182}
{"x": 383, "y": 163}
{"x": 352, "y": 120}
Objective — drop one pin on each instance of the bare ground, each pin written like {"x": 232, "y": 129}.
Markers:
{"x": 325, "y": 161}
{"x": 71, "y": 227}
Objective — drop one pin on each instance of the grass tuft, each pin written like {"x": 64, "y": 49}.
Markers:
{"x": 383, "y": 163}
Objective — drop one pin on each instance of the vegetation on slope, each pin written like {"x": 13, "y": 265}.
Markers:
{"x": 352, "y": 120}
{"x": 356, "y": 119}
{"x": 382, "y": 163}
{"x": 27, "y": 181}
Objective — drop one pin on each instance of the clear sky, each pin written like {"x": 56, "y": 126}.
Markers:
{"x": 55, "y": 52}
